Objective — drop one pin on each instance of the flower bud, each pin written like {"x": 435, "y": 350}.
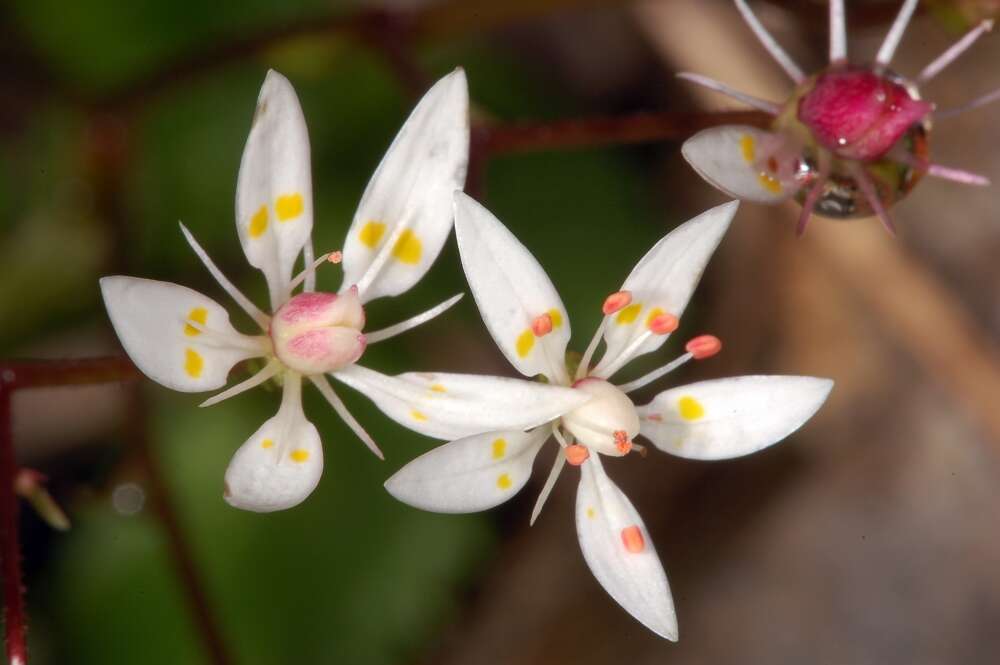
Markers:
{"x": 603, "y": 423}
{"x": 319, "y": 332}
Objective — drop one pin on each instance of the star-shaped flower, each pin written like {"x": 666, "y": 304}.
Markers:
{"x": 524, "y": 314}
{"x": 849, "y": 142}
{"x": 183, "y": 339}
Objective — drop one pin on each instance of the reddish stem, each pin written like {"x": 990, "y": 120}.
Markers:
{"x": 15, "y": 622}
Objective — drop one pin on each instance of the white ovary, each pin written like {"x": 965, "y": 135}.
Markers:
{"x": 317, "y": 332}
{"x": 599, "y": 423}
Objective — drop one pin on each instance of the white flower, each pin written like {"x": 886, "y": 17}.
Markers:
{"x": 183, "y": 340}
{"x": 706, "y": 420}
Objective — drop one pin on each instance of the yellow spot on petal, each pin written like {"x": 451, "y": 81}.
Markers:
{"x": 499, "y": 448}
{"x": 288, "y": 207}
{"x": 408, "y": 248}
{"x": 438, "y": 388}
{"x": 591, "y": 513}
{"x": 690, "y": 408}
{"x": 198, "y": 315}
{"x": 747, "y": 146}
{"x": 371, "y": 234}
{"x": 416, "y": 415}
{"x": 769, "y": 183}
{"x": 299, "y": 455}
{"x": 193, "y": 363}
{"x": 504, "y": 482}
{"x": 556, "y": 316}
{"x": 267, "y": 443}
{"x": 525, "y": 342}
{"x": 258, "y": 223}
{"x": 653, "y": 313}
{"x": 629, "y": 314}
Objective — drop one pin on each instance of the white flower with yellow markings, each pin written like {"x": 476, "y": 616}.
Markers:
{"x": 524, "y": 314}
{"x": 183, "y": 340}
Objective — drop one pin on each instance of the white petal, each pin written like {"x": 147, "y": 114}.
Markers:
{"x": 280, "y": 465}
{"x": 149, "y": 317}
{"x": 470, "y": 474}
{"x": 731, "y": 417}
{"x": 621, "y": 555}
{"x": 274, "y": 205}
{"x": 736, "y": 159}
{"x": 405, "y": 213}
{"x": 662, "y": 283}
{"x": 452, "y": 406}
{"x": 512, "y": 291}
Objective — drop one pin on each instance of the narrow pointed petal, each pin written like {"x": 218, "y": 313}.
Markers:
{"x": 150, "y": 319}
{"x": 745, "y": 162}
{"x": 731, "y": 417}
{"x": 512, "y": 291}
{"x": 405, "y": 214}
{"x": 280, "y": 465}
{"x": 662, "y": 283}
{"x": 620, "y": 553}
{"x": 274, "y": 206}
{"x": 471, "y": 474}
{"x": 453, "y": 406}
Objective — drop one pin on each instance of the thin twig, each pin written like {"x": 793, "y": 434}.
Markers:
{"x": 15, "y": 620}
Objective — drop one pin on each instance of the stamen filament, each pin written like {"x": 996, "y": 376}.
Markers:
{"x": 982, "y": 100}
{"x": 655, "y": 374}
{"x": 957, "y": 175}
{"x": 338, "y": 405}
{"x": 563, "y": 442}
{"x": 550, "y": 482}
{"x": 895, "y": 34}
{"x": 252, "y": 310}
{"x": 838, "y": 33}
{"x": 871, "y": 194}
{"x": 607, "y": 371}
{"x": 953, "y": 52}
{"x": 717, "y": 86}
{"x": 307, "y": 272}
{"x": 584, "y": 367}
{"x": 765, "y": 38}
{"x": 812, "y": 197}
{"x": 269, "y": 370}
{"x": 307, "y": 260}
{"x": 412, "y": 322}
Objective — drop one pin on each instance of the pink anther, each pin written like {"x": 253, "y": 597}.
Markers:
{"x": 576, "y": 454}
{"x": 616, "y": 301}
{"x": 663, "y": 324}
{"x": 703, "y": 346}
{"x": 633, "y": 539}
{"x": 335, "y": 257}
{"x": 542, "y": 325}
{"x": 622, "y": 442}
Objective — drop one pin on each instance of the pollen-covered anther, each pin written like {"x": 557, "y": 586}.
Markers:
{"x": 622, "y": 442}
{"x": 576, "y": 454}
{"x": 335, "y": 257}
{"x": 615, "y": 302}
{"x": 633, "y": 539}
{"x": 703, "y": 346}
{"x": 663, "y": 324}
{"x": 541, "y": 325}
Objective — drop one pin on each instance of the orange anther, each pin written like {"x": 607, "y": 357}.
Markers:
{"x": 615, "y": 302}
{"x": 576, "y": 454}
{"x": 663, "y": 324}
{"x": 335, "y": 257}
{"x": 704, "y": 346}
{"x": 632, "y": 539}
{"x": 542, "y": 325}
{"x": 621, "y": 442}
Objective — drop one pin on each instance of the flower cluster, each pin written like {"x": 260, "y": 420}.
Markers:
{"x": 849, "y": 142}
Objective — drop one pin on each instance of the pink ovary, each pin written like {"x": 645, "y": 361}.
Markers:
{"x": 307, "y": 307}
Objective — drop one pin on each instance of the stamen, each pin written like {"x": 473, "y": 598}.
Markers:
{"x": 982, "y": 100}
{"x": 307, "y": 259}
{"x": 576, "y": 454}
{"x": 252, "y": 310}
{"x": 957, "y": 175}
{"x": 584, "y": 367}
{"x": 310, "y": 269}
{"x": 338, "y": 405}
{"x": 542, "y": 325}
{"x": 412, "y": 322}
{"x": 616, "y": 301}
{"x": 622, "y": 442}
{"x": 632, "y": 539}
{"x": 642, "y": 450}
{"x": 895, "y": 34}
{"x": 607, "y": 371}
{"x": 778, "y": 53}
{"x": 717, "y": 86}
{"x": 335, "y": 257}
{"x": 563, "y": 443}
{"x": 871, "y": 194}
{"x": 838, "y": 33}
{"x": 260, "y": 377}
{"x": 703, "y": 346}
{"x": 550, "y": 482}
{"x": 953, "y": 53}
{"x": 663, "y": 324}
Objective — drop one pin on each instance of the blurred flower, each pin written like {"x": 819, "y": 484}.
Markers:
{"x": 706, "y": 420}
{"x": 850, "y": 141}
{"x": 183, "y": 340}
